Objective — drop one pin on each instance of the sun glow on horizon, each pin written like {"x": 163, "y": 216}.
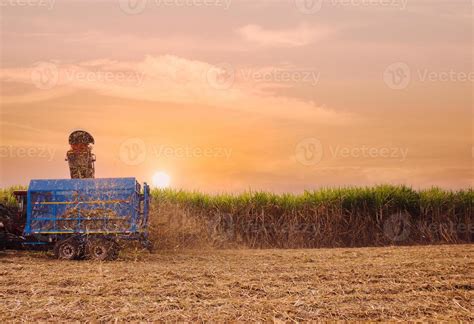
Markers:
{"x": 160, "y": 180}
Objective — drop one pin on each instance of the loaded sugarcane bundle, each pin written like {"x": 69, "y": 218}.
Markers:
{"x": 92, "y": 220}
{"x": 80, "y": 157}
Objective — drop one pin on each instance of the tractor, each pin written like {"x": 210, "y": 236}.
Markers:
{"x": 81, "y": 217}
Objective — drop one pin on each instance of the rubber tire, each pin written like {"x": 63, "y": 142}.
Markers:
{"x": 148, "y": 245}
{"x": 68, "y": 249}
{"x": 102, "y": 249}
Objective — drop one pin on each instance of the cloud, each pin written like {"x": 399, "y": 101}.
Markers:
{"x": 300, "y": 35}
{"x": 170, "y": 79}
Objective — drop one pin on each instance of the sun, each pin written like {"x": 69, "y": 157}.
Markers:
{"x": 160, "y": 180}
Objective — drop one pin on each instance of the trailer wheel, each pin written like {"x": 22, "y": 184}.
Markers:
{"x": 68, "y": 249}
{"x": 148, "y": 245}
{"x": 102, "y": 249}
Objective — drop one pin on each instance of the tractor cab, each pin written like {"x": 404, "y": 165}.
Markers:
{"x": 20, "y": 196}
{"x": 12, "y": 221}
{"x": 17, "y": 224}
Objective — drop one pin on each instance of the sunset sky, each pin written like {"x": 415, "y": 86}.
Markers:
{"x": 231, "y": 95}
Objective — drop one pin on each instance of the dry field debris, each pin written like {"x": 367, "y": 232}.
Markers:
{"x": 423, "y": 282}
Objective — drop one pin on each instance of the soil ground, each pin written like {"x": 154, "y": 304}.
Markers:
{"x": 423, "y": 282}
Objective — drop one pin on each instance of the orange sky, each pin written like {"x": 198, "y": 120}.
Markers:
{"x": 228, "y": 95}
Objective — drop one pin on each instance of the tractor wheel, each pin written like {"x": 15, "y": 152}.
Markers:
{"x": 149, "y": 246}
{"x": 102, "y": 249}
{"x": 68, "y": 249}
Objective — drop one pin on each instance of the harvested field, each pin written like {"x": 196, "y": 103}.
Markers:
{"x": 423, "y": 282}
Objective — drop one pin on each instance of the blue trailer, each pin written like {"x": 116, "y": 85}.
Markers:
{"x": 86, "y": 218}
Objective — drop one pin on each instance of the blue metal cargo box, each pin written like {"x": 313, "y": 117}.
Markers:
{"x": 87, "y": 206}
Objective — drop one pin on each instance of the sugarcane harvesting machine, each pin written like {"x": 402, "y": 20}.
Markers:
{"x": 81, "y": 217}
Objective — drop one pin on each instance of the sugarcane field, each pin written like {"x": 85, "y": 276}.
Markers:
{"x": 231, "y": 258}
{"x": 202, "y": 161}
